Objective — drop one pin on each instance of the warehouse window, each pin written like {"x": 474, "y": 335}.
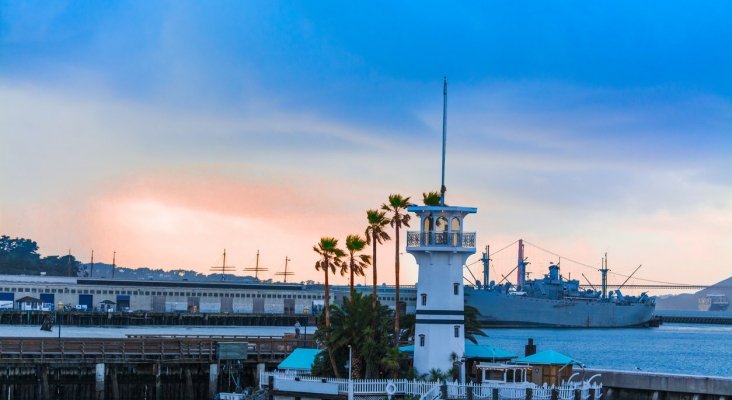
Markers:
{"x": 424, "y": 299}
{"x": 457, "y": 331}
{"x": 421, "y": 340}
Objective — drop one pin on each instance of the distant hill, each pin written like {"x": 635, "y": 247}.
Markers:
{"x": 690, "y": 301}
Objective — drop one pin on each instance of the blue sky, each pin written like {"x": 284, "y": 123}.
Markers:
{"x": 588, "y": 126}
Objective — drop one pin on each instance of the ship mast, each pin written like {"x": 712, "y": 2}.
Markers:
{"x": 285, "y": 273}
{"x": 486, "y": 262}
{"x": 256, "y": 268}
{"x": 603, "y": 271}
{"x": 521, "y": 267}
{"x": 223, "y": 268}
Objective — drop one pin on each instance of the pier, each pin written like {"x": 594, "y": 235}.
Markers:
{"x": 709, "y": 318}
{"x": 136, "y": 367}
{"x": 97, "y": 318}
{"x": 655, "y": 386}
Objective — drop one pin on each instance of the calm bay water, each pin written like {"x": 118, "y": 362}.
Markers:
{"x": 672, "y": 348}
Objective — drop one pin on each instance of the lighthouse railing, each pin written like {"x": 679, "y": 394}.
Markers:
{"x": 440, "y": 239}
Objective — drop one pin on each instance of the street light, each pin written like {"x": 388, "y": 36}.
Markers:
{"x": 305, "y": 311}
{"x": 350, "y": 375}
{"x": 60, "y": 307}
{"x": 462, "y": 369}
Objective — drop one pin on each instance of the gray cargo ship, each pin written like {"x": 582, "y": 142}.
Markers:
{"x": 714, "y": 302}
{"x": 554, "y": 301}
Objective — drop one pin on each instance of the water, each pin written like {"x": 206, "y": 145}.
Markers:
{"x": 672, "y": 348}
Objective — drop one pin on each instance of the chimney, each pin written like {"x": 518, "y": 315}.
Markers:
{"x": 530, "y": 348}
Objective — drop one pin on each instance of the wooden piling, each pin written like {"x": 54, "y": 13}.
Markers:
{"x": 99, "y": 387}
{"x": 213, "y": 380}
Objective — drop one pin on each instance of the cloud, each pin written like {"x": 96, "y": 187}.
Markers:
{"x": 577, "y": 170}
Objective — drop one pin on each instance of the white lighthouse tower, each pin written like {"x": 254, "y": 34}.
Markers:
{"x": 441, "y": 247}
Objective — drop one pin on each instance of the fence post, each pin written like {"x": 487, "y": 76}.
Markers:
{"x": 270, "y": 388}
{"x": 469, "y": 392}
{"x": 443, "y": 390}
{"x": 577, "y": 394}
{"x": 555, "y": 393}
{"x": 494, "y": 395}
{"x": 529, "y": 393}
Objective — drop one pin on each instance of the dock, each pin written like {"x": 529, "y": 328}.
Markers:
{"x": 139, "y": 366}
{"x": 655, "y": 386}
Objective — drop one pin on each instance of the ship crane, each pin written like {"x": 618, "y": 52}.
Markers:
{"x": 589, "y": 283}
{"x": 631, "y": 275}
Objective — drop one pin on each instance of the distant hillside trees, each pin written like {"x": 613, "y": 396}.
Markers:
{"x": 20, "y": 256}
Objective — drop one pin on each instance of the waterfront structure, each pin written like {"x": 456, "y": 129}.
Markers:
{"x": 44, "y": 293}
{"x": 440, "y": 247}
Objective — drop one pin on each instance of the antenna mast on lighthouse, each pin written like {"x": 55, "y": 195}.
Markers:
{"x": 444, "y": 140}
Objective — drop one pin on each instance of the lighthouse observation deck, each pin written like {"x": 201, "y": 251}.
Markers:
{"x": 456, "y": 241}
{"x": 441, "y": 230}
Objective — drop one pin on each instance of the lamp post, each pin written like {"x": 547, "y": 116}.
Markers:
{"x": 462, "y": 370}
{"x": 350, "y": 375}
{"x": 59, "y": 309}
{"x": 305, "y": 311}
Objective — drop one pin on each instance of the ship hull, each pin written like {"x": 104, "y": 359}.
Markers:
{"x": 500, "y": 309}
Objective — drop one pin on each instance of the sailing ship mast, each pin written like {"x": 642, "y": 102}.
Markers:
{"x": 223, "y": 268}
{"x": 285, "y": 273}
{"x": 256, "y": 268}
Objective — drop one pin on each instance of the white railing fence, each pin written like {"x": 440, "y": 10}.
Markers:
{"x": 431, "y": 390}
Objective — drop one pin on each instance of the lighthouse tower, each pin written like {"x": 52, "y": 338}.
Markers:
{"x": 441, "y": 247}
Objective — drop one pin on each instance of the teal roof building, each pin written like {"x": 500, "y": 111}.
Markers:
{"x": 548, "y": 357}
{"x": 299, "y": 360}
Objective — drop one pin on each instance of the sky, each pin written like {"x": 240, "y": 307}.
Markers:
{"x": 170, "y": 131}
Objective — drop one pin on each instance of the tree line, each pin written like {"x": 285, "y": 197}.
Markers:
{"x": 19, "y": 256}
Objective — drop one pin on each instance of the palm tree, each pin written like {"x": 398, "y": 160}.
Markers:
{"x": 375, "y": 234}
{"x": 391, "y": 362}
{"x": 357, "y": 262}
{"x": 331, "y": 255}
{"x": 351, "y": 324}
{"x": 473, "y": 327}
{"x": 431, "y": 199}
{"x": 397, "y": 207}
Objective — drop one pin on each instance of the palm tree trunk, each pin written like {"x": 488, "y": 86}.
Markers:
{"x": 396, "y": 308}
{"x": 356, "y": 367}
{"x": 326, "y": 302}
{"x": 326, "y": 305}
{"x": 373, "y": 292}
{"x": 351, "y": 268}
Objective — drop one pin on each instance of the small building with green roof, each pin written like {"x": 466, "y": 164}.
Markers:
{"x": 549, "y": 366}
{"x": 300, "y": 361}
